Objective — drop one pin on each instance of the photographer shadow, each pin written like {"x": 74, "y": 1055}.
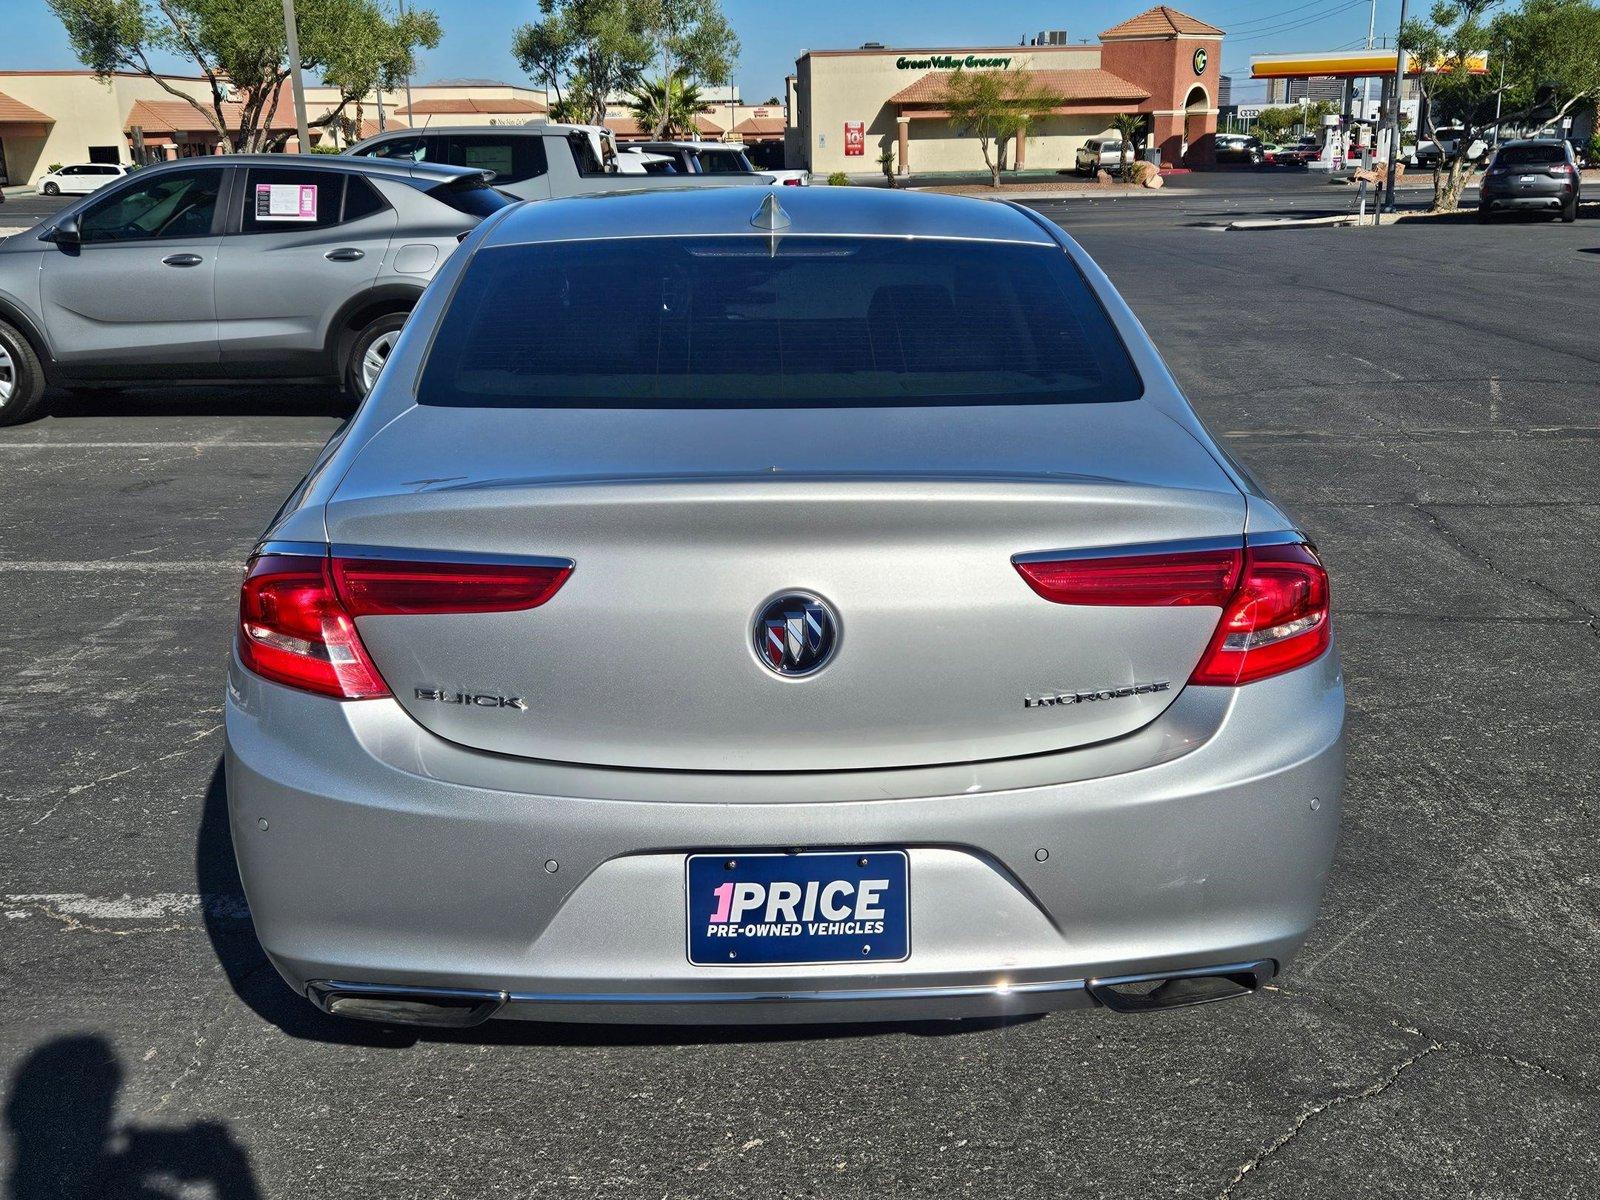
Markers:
{"x": 61, "y": 1116}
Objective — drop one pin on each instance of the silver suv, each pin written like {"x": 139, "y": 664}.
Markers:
{"x": 228, "y": 268}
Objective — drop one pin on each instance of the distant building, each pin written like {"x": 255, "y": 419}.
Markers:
{"x": 848, "y": 106}
{"x": 1224, "y": 91}
{"x": 74, "y": 117}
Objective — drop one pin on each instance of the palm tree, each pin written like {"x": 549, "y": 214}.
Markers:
{"x": 1131, "y": 127}
{"x": 665, "y": 106}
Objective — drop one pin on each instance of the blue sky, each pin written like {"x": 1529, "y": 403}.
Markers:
{"x": 774, "y": 32}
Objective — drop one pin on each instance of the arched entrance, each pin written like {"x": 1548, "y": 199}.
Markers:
{"x": 1198, "y": 141}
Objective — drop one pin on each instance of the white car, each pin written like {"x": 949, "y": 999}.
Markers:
{"x": 80, "y": 179}
{"x": 631, "y": 161}
{"x": 1100, "y": 154}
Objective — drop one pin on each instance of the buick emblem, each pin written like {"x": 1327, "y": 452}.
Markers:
{"x": 796, "y": 634}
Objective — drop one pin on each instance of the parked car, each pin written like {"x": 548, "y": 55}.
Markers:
{"x": 598, "y": 673}
{"x": 719, "y": 158}
{"x": 79, "y": 179}
{"x": 633, "y": 161}
{"x": 1428, "y": 152}
{"x": 531, "y": 162}
{"x": 229, "y": 267}
{"x": 1286, "y": 154}
{"x": 1538, "y": 175}
{"x": 1240, "y": 148}
{"x": 1100, "y": 154}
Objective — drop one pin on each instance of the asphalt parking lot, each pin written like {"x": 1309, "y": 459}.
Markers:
{"x": 1424, "y": 397}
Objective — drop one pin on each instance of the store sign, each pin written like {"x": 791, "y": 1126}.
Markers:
{"x": 948, "y": 62}
{"x": 1200, "y": 60}
{"x": 855, "y": 139}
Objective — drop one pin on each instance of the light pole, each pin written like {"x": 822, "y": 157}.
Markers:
{"x": 1394, "y": 115}
{"x": 1500, "y": 93}
{"x": 292, "y": 34}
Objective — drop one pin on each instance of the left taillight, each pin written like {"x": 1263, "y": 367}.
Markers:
{"x": 297, "y": 614}
{"x": 294, "y": 631}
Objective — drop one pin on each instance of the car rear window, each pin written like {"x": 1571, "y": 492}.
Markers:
{"x": 739, "y": 322}
{"x": 471, "y": 196}
{"x": 1530, "y": 156}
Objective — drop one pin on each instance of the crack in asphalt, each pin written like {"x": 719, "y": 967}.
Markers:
{"x": 1376, "y": 1088}
{"x": 1590, "y": 617}
{"x": 1447, "y": 1041}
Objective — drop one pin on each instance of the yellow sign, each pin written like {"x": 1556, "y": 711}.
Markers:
{"x": 1344, "y": 64}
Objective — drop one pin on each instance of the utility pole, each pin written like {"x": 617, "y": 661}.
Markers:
{"x": 1394, "y": 115}
{"x": 1500, "y": 94}
{"x": 1366, "y": 84}
{"x": 292, "y": 33}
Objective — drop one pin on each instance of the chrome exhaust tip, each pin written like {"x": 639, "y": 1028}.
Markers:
{"x": 437, "y": 1008}
{"x": 1180, "y": 989}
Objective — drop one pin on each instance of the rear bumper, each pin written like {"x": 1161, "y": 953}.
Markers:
{"x": 1554, "y": 198}
{"x": 375, "y": 856}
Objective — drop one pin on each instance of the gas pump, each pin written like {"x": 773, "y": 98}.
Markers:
{"x": 1332, "y": 156}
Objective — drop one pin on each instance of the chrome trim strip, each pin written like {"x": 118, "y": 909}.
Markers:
{"x": 404, "y": 554}
{"x": 1177, "y": 546}
{"x": 305, "y": 549}
{"x": 322, "y": 989}
{"x": 1282, "y": 537}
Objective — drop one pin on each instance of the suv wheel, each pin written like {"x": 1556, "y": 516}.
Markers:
{"x": 1569, "y": 211}
{"x": 50, "y": 189}
{"x": 21, "y": 377}
{"x": 372, "y": 348}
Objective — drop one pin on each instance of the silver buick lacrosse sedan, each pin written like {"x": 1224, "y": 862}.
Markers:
{"x": 731, "y": 607}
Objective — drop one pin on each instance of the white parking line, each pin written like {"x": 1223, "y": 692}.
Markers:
{"x": 128, "y": 908}
{"x": 122, "y": 564}
{"x": 207, "y": 445}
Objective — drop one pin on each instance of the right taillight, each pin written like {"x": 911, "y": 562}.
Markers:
{"x": 1276, "y": 620}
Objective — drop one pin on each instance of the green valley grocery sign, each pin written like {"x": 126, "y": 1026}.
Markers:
{"x": 948, "y": 62}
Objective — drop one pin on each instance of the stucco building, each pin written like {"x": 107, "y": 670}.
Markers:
{"x": 847, "y": 106}
{"x": 66, "y": 117}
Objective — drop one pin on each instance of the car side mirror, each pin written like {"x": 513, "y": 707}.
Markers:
{"x": 65, "y": 232}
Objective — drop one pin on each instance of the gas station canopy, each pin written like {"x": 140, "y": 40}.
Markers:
{"x": 1343, "y": 64}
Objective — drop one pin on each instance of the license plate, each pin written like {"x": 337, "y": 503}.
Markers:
{"x": 755, "y": 909}
{"x": 1526, "y": 179}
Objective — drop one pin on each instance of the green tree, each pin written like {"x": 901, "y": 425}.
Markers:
{"x": 1552, "y": 66}
{"x": 1274, "y": 124}
{"x": 692, "y": 38}
{"x": 1552, "y": 59}
{"x": 667, "y": 106}
{"x": 583, "y": 51}
{"x": 239, "y": 47}
{"x": 994, "y": 107}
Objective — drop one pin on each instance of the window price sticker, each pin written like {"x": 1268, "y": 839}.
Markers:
{"x": 286, "y": 202}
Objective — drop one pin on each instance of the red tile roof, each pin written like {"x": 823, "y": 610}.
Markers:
{"x": 178, "y": 116}
{"x": 1160, "y": 21}
{"x": 1074, "y": 86}
{"x": 760, "y": 127}
{"x": 16, "y": 110}
{"x": 439, "y": 108}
